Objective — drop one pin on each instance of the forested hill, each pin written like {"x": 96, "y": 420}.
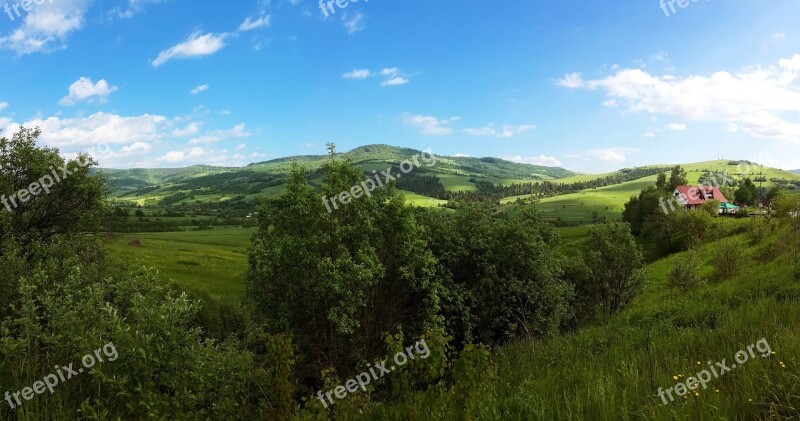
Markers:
{"x": 264, "y": 177}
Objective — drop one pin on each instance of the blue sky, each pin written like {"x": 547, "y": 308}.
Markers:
{"x": 590, "y": 86}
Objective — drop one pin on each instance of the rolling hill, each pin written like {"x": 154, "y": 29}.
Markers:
{"x": 241, "y": 187}
{"x": 208, "y": 184}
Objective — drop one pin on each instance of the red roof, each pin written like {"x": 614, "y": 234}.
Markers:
{"x": 697, "y": 195}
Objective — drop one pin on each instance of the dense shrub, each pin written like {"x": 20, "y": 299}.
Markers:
{"x": 685, "y": 274}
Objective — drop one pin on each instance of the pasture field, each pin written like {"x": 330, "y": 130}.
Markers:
{"x": 211, "y": 261}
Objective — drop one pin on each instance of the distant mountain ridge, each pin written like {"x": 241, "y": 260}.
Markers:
{"x": 263, "y": 178}
{"x": 796, "y": 171}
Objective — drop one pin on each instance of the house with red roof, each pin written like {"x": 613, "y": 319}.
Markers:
{"x": 693, "y": 197}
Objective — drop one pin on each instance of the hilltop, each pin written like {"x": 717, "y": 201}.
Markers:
{"x": 569, "y": 197}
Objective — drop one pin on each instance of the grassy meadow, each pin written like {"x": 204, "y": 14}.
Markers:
{"x": 209, "y": 261}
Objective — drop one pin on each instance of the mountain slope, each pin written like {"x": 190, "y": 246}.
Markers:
{"x": 265, "y": 178}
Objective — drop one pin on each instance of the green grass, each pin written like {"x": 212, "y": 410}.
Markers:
{"x": 613, "y": 369}
{"x": 212, "y": 261}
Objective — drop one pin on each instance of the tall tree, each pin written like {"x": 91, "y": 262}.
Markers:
{"x": 43, "y": 194}
{"x": 615, "y": 263}
{"x": 339, "y": 281}
{"x": 676, "y": 178}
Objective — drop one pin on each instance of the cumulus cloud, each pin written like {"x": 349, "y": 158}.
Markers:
{"x": 679, "y": 127}
{"x": 85, "y": 90}
{"x": 506, "y": 131}
{"x": 3, "y": 105}
{"x": 611, "y": 154}
{"x": 430, "y": 126}
{"x": 98, "y": 128}
{"x": 763, "y": 102}
{"x": 236, "y": 132}
{"x": 196, "y": 45}
{"x": 543, "y": 160}
{"x": 46, "y": 27}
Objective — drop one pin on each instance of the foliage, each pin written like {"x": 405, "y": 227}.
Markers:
{"x": 338, "y": 282}
{"x": 75, "y": 203}
{"x": 615, "y": 264}
{"x": 727, "y": 259}
{"x": 685, "y": 274}
{"x": 500, "y": 273}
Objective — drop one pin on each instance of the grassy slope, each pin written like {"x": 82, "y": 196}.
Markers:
{"x": 613, "y": 371}
{"x": 609, "y": 201}
{"x": 212, "y": 261}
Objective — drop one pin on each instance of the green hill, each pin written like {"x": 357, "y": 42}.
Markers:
{"x": 212, "y": 184}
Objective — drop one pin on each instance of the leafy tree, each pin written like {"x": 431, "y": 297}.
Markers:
{"x": 676, "y": 178}
{"x": 501, "y": 274}
{"x": 74, "y": 203}
{"x": 747, "y": 193}
{"x": 661, "y": 182}
{"x": 615, "y": 264}
{"x": 339, "y": 282}
{"x": 638, "y": 209}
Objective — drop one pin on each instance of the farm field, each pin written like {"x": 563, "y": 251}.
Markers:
{"x": 210, "y": 261}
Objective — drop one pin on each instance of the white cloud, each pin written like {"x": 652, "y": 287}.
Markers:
{"x": 762, "y": 102}
{"x": 195, "y": 46}
{"x": 178, "y": 156}
{"x": 131, "y": 8}
{"x": 190, "y": 130}
{"x": 611, "y": 154}
{"x": 357, "y": 74}
{"x": 97, "y": 129}
{"x": 250, "y": 24}
{"x": 46, "y": 27}
{"x": 353, "y": 24}
{"x": 461, "y": 155}
{"x": 506, "y": 131}
{"x": 543, "y": 160}
{"x": 84, "y": 90}
{"x": 779, "y": 35}
{"x": 201, "y": 88}
{"x": 395, "y": 81}
{"x": 430, "y": 126}
{"x": 3, "y": 106}
{"x": 572, "y": 80}
{"x": 236, "y": 132}
{"x": 678, "y": 127}
{"x": 392, "y": 76}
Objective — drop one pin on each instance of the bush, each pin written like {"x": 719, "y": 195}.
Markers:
{"x": 727, "y": 259}
{"x": 685, "y": 274}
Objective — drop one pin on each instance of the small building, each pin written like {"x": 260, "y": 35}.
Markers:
{"x": 693, "y": 197}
